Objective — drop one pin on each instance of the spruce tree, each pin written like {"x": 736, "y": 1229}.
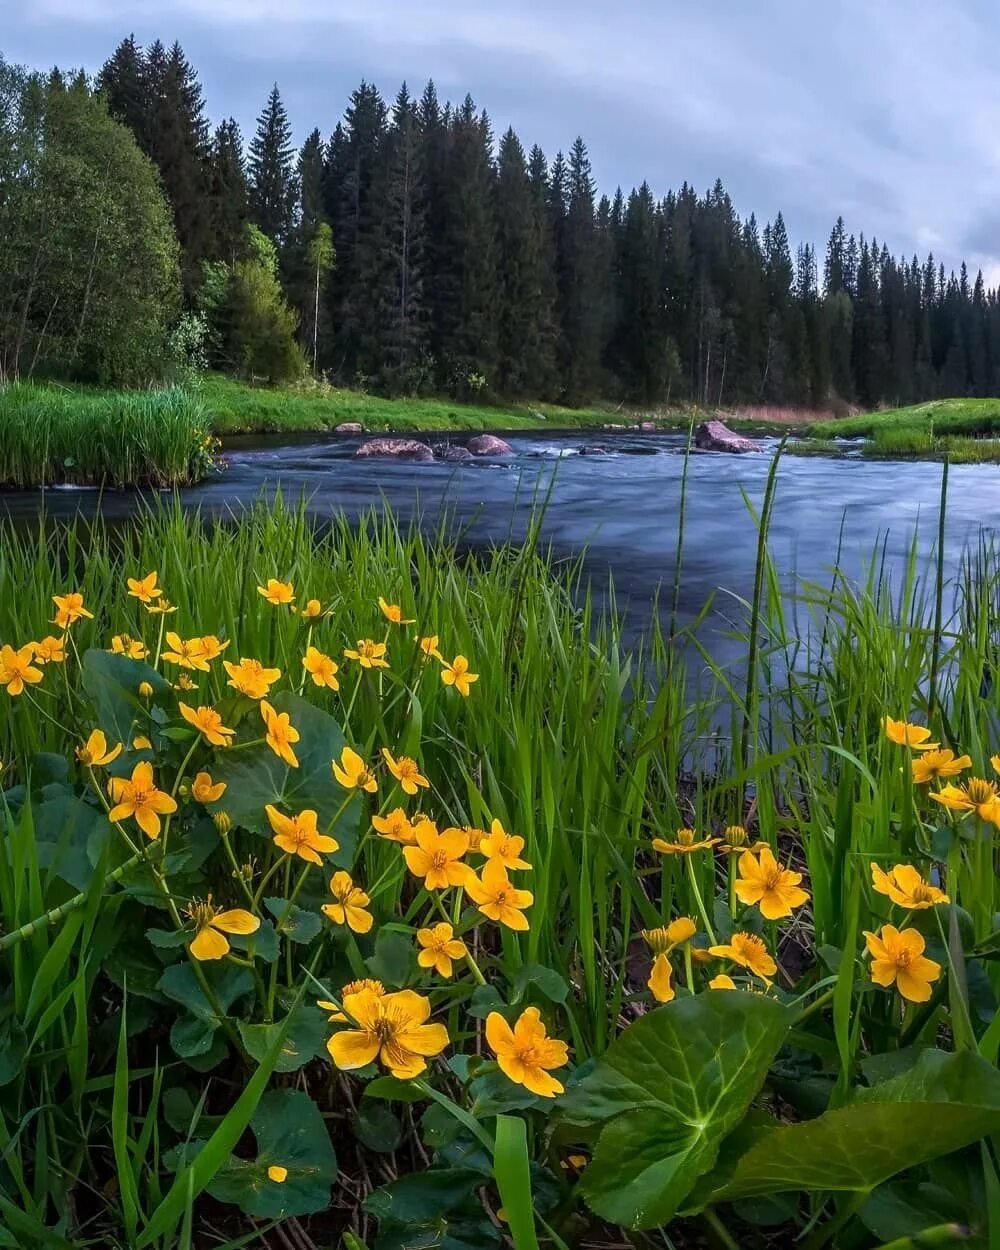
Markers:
{"x": 228, "y": 193}
{"x": 121, "y": 81}
{"x": 580, "y": 281}
{"x": 272, "y": 172}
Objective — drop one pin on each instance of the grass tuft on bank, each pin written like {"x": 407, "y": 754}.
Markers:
{"x": 53, "y": 435}
{"x": 972, "y": 417}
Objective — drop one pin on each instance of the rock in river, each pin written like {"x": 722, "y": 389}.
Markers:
{"x": 349, "y": 427}
{"x": 714, "y": 436}
{"x": 489, "y": 445}
{"x": 396, "y": 448}
{"x": 449, "y": 452}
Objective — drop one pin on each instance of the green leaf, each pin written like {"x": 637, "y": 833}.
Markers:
{"x": 943, "y": 1103}
{"x": 305, "y": 1039}
{"x": 261, "y": 944}
{"x": 290, "y": 1133}
{"x": 546, "y": 980}
{"x": 65, "y": 827}
{"x": 391, "y": 1089}
{"x": 192, "y": 1033}
{"x": 423, "y": 1197}
{"x": 112, "y": 682}
{"x": 391, "y": 961}
{"x": 298, "y": 925}
{"x": 671, "y": 1087}
{"x": 376, "y": 1127}
{"x": 256, "y": 777}
{"x": 485, "y": 998}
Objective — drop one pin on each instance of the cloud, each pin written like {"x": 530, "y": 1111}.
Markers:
{"x": 888, "y": 114}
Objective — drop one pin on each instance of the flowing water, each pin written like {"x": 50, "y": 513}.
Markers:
{"x": 620, "y": 503}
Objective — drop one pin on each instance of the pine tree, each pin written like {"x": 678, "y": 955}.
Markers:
{"x": 121, "y": 81}
{"x": 580, "y": 286}
{"x": 228, "y": 193}
{"x": 272, "y": 171}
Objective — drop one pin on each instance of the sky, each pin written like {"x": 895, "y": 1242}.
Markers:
{"x": 887, "y": 113}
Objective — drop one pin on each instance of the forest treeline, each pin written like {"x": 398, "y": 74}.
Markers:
{"x": 409, "y": 250}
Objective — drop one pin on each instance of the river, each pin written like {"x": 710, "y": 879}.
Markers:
{"x": 621, "y": 505}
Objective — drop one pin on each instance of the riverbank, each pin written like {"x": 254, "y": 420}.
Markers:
{"x": 963, "y": 431}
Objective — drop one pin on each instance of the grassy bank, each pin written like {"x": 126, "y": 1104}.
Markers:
{"x": 971, "y": 417}
{"x": 51, "y": 435}
{"x": 163, "y": 1087}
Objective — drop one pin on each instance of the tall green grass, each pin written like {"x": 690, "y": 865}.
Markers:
{"x": 942, "y": 416}
{"x": 50, "y": 435}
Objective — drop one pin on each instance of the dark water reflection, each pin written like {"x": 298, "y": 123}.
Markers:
{"x": 621, "y": 504}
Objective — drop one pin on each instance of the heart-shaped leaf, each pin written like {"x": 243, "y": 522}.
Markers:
{"x": 305, "y": 1039}
{"x": 112, "y": 682}
{"x": 293, "y": 922}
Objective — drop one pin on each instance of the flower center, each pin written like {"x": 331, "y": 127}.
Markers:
{"x": 773, "y": 878}
{"x": 439, "y": 859}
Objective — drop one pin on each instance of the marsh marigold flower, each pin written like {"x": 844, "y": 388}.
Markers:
{"x": 94, "y": 753}
{"x": 394, "y": 827}
{"x": 495, "y": 896}
{"x": 505, "y": 847}
{"x": 457, "y": 674}
{"x": 393, "y": 612}
{"x": 525, "y": 1053}
{"x": 211, "y": 926}
{"x": 279, "y": 594}
{"x": 50, "y": 650}
{"x": 16, "y": 669}
{"x": 437, "y": 857}
{"x": 298, "y": 835}
{"x": 212, "y": 647}
{"x": 722, "y": 982}
{"x": 352, "y": 772}
{"x": 205, "y": 790}
{"x": 138, "y": 796}
{"x": 186, "y": 652}
{"x": 349, "y": 904}
{"x": 184, "y": 682}
{"x": 69, "y": 608}
{"x": 763, "y": 881}
{"x": 439, "y": 947}
{"x": 906, "y": 887}
{"x": 390, "y": 1027}
{"x": 141, "y": 743}
{"x": 352, "y": 987}
{"x": 429, "y": 646}
{"x": 934, "y": 764}
{"x": 145, "y": 588}
{"x": 162, "y": 607}
{"x": 685, "y": 842}
{"x": 972, "y": 796}
{"x": 368, "y": 654}
{"x": 132, "y": 648}
{"x": 281, "y": 733}
{"x": 905, "y": 734}
{"x": 405, "y": 771}
{"x": 749, "y": 951}
{"x": 661, "y": 942}
{"x": 208, "y": 723}
{"x": 251, "y": 678}
{"x": 312, "y": 610}
{"x": 898, "y": 959}
{"x": 321, "y": 668}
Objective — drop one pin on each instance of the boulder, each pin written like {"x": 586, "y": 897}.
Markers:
{"x": 349, "y": 427}
{"x": 396, "y": 449}
{"x": 452, "y": 453}
{"x": 592, "y": 449}
{"x": 647, "y": 425}
{"x": 489, "y": 445}
{"x": 714, "y": 436}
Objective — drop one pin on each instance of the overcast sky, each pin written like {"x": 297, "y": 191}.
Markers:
{"x": 886, "y": 112}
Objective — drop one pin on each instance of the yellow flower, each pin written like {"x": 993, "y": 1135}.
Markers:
{"x": 352, "y": 772}
{"x": 281, "y": 733}
{"x": 685, "y": 842}
{"x": 298, "y": 835}
{"x": 395, "y": 827}
{"x": 905, "y": 734}
{"x": 734, "y": 839}
{"x": 762, "y": 880}
{"x": 749, "y": 951}
{"x": 476, "y": 836}
{"x": 349, "y": 903}
{"x": 94, "y": 753}
{"x": 934, "y": 764}
{"x": 251, "y": 678}
{"x": 906, "y": 887}
{"x": 457, "y": 674}
{"x": 661, "y": 942}
{"x": 205, "y": 790}
{"x": 898, "y": 959}
{"x": 502, "y": 846}
{"x": 995, "y": 761}
{"x": 312, "y": 610}
{"x": 163, "y": 608}
{"x": 321, "y": 668}
{"x": 125, "y": 644}
{"x": 145, "y": 588}
{"x": 277, "y": 1173}
{"x": 50, "y": 650}
{"x": 352, "y": 987}
{"x": 392, "y": 1028}
{"x": 974, "y": 795}
{"x": 138, "y": 796}
{"x": 16, "y": 670}
{"x": 661, "y": 979}
{"x": 212, "y": 647}
{"x": 278, "y": 593}
{"x": 184, "y": 682}
{"x": 141, "y": 743}
{"x": 437, "y": 857}
{"x": 145, "y": 689}
{"x": 393, "y": 612}
{"x": 722, "y": 982}
{"x": 186, "y": 652}
{"x": 69, "y": 608}
{"x": 405, "y": 771}
{"x": 209, "y": 724}
{"x": 497, "y": 898}
{"x": 439, "y": 948}
{"x": 211, "y": 926}
{"x": 429, "y": 646}
{"x": 525, "y": 1053}
{"x": 369, "y": 654}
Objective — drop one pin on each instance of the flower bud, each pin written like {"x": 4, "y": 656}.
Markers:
{"x": 222, "y": 821}
{"x": 145, "y": 689}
